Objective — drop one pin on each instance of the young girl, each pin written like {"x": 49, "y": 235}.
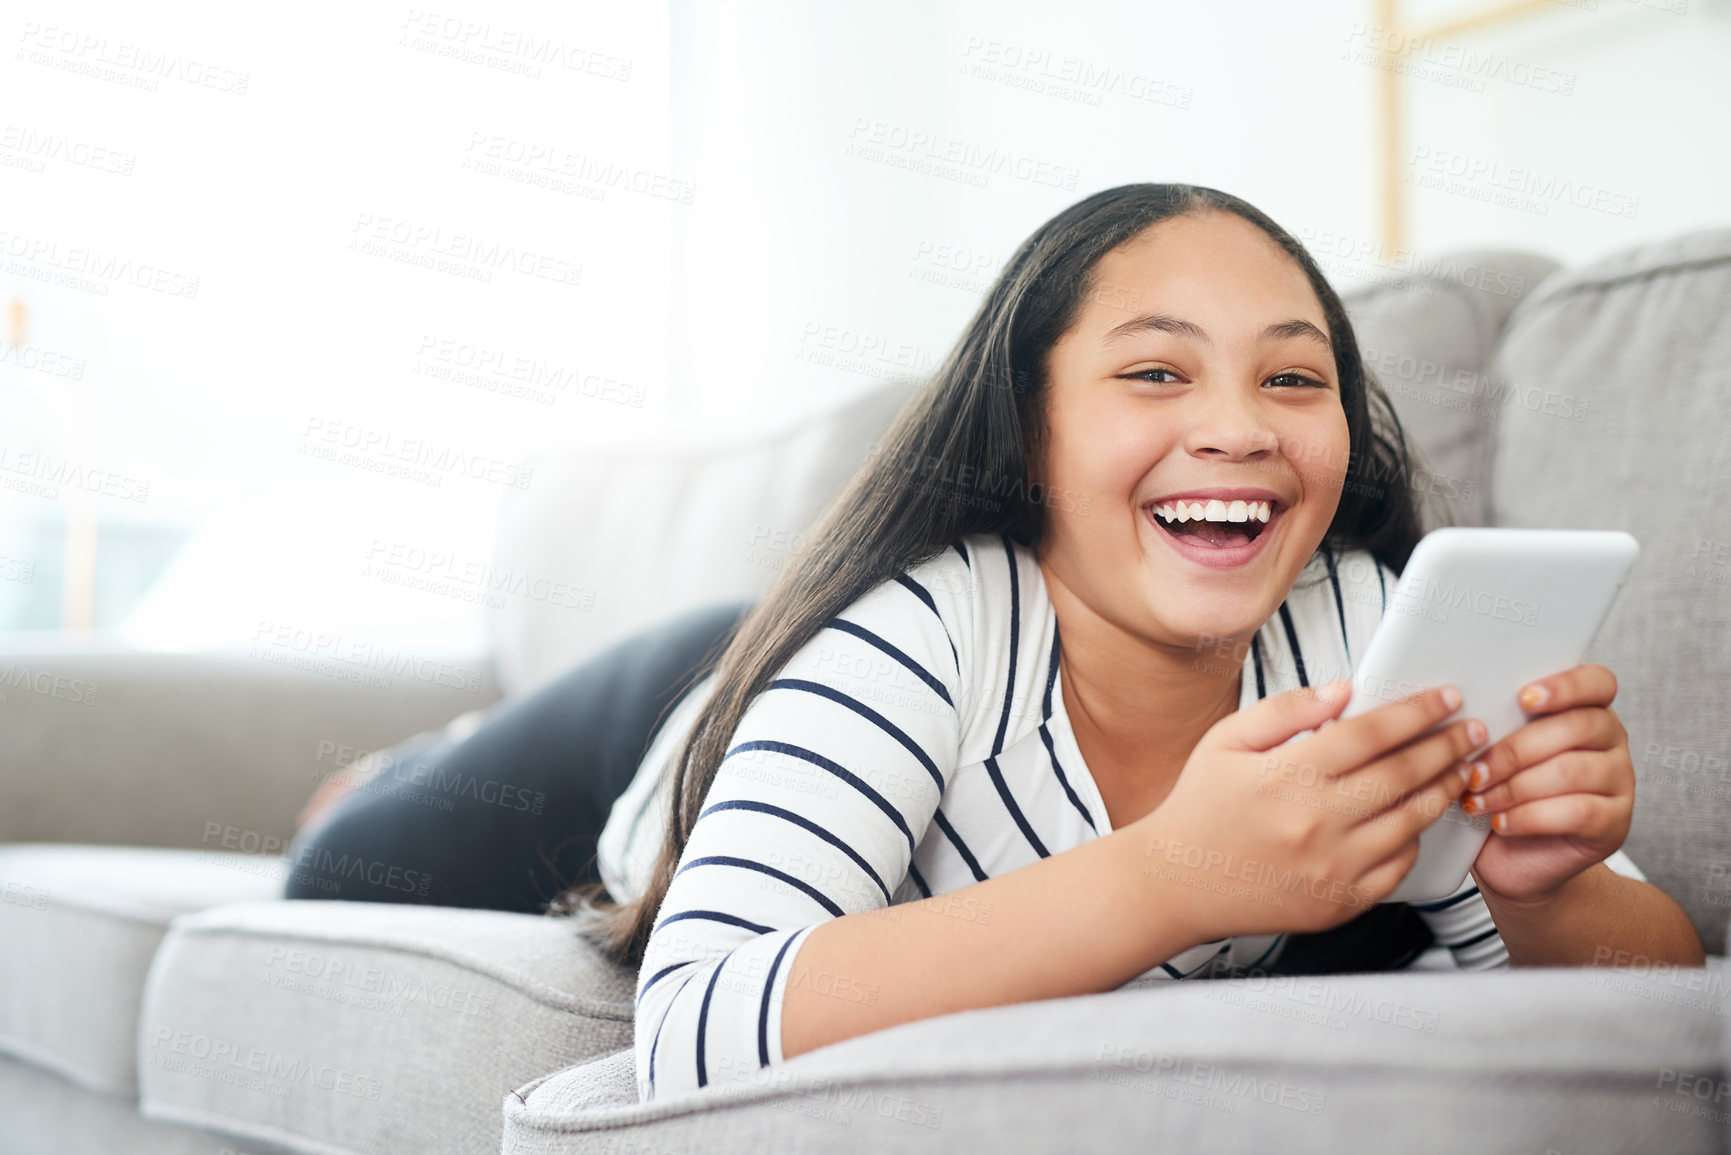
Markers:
{"x": 1048, "y": 706}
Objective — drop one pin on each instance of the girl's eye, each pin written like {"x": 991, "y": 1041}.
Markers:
{"x": 1297, "y": 379}
{"x": 1154, "y": 376}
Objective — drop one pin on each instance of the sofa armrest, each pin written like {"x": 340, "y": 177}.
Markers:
{"x": 1505, "y": 1062}
{"x": 159, "y": 749}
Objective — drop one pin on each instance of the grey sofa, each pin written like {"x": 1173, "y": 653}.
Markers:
{"x": 155, "y": 996}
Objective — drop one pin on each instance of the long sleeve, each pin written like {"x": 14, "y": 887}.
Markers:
{"x": 830, "y": 779}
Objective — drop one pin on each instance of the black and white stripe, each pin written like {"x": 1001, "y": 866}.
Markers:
{"x": 873, "y": 771}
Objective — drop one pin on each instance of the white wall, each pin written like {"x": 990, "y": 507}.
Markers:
{"x": 259, "y": 153}
{"x": 803, "y": 264}
{"x": 799, "y": 251}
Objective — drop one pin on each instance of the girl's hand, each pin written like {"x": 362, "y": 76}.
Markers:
{"x": 1279, "y": 832}
{"x": 1560, "y": 790}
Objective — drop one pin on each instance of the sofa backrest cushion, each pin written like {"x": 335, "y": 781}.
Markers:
{"x": 1429, "y": 337}
{"x": 1628, "y": 365}
{"x": 608, "y": 541}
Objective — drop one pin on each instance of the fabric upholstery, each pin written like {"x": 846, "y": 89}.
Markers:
{"x": 1565, "y": 1059}
{"x": 367, "y": 1027}
{"x": 44, "y": 1114}
{"x": 78, "y": 927}
{"x": 1430, "y": 340}
{"x": 145, "y": 732}
{"x": 1642, "y": 340}
{"x": 655, "y": 529}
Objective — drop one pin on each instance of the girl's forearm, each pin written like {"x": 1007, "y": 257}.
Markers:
{"x": 1083, "y": 921}
{"x": 1595, "y": 919}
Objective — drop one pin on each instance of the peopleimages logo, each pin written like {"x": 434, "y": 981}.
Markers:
{"x": 316, "y": 863}
{"x": 470, "y": 254}
{"x": 38, "y": 473}
{"x": 1434, "y": 167}
{"x": 275, "y": 1072}
{"x": 348, "y": 443}
{"x": 48, "y": 684}
{"x": 103, "y": 266}
{"x": 939, "y": 155}
{"x": 1232, "y": 1084}
{"x": 1460, "y": 596}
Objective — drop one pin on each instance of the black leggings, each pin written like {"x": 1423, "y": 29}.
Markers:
{"x": 509, "y": 817}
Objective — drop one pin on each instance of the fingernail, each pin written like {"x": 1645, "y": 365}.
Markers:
{"x": 1481, "y": 775}
{"x": 1464, "y": 773}
{"x": 1532, "y": 697}
{"x": 1499, "y": 822}
{"x": 1472, "y": 804}
{"x": 1334, "y": 691}
{"x": 1451, "y": 697}
{"x": 1477, "y": 733}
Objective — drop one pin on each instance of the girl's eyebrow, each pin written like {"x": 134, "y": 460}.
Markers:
{"x": 1177, "y": 326}
{"x": 1297, "y": 328}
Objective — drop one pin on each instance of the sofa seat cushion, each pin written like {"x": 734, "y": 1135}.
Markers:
{"x": 368, "y": 1027}
{"x": 78, "y": 927}
{"x": 1570, "y": 1059}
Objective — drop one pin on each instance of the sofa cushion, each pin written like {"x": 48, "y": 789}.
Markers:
{"x": 151, "y": 748}
{"x": 1570, "y": 1059}
{"x": 1642, "y": 339}
{"x": 78, "y": 926}
{"x": 349, "y": 1026}
{"x": 43, "y": 1114}
{"x": 611, "y": 539}
{"x": 1429, "y": 337}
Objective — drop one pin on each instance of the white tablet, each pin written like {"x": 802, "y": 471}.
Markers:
{"x": 1487, "y": 610}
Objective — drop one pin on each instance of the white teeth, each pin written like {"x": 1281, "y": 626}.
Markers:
{"x": 1215, "y": 510}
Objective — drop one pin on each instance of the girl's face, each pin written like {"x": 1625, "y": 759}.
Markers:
{"x": 1199, "y": 369}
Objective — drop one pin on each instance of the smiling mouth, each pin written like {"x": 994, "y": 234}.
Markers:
{"x": 1215, "y": 526}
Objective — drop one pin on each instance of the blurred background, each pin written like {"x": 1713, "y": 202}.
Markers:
{"x": 293, "y": 297}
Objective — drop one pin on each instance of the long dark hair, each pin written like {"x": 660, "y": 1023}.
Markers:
{"x": 955, "y": 462}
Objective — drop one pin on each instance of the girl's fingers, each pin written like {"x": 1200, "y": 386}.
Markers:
{"x": 1386, "y": 875}
{"x": 1585, "y": 685}
{"x": 1384, "y": 835}
{"x": 1273, "y": 721}
{"x": 1578, "y": 728}
{"x": 1584, "y": 815}
{"x": 1366, "y": 737}
{"x": 1393, "y": 778}
{"x": 1571, "y": 772}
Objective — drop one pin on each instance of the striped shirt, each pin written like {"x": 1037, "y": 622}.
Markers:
{"x": 916, "y": 744}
